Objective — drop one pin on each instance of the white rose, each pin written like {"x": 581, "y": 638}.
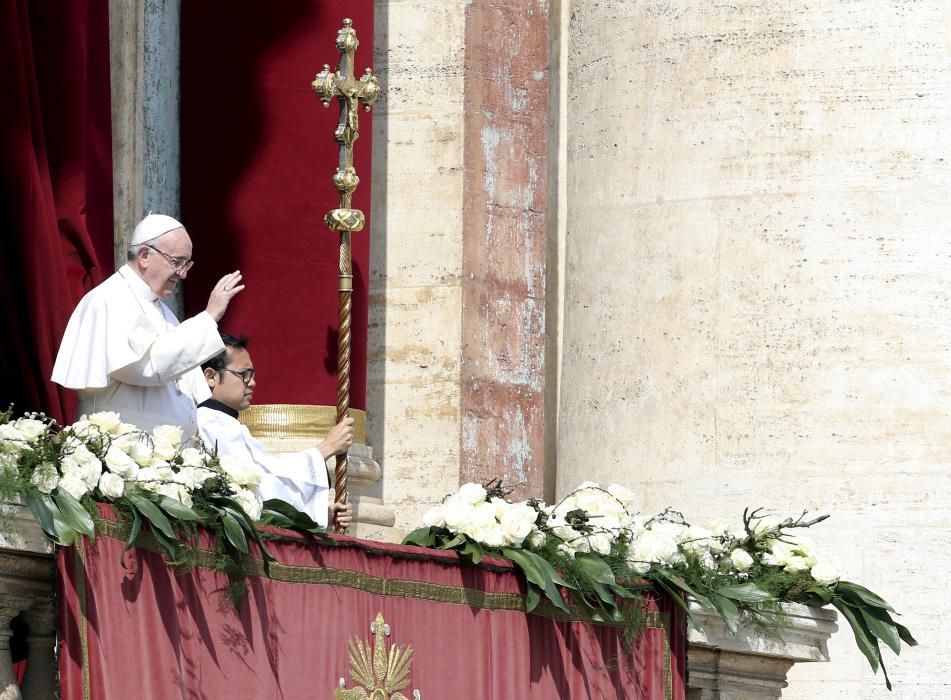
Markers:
{"x": 189, "y": 477}
{"x": 249, "y": 502}
{"x": 434, "y": 517}
{"x": 741, "y": 560}
{"x": 169, "y": 434}
{"x": 825, "y": 572}
{"x": 191, "y": 457}
{"x": 600, "y": 543}
{"x": 141, "y": 451}
{"x": 46, "y": 477}
{"x": 147, "y": 474}
{"x": 163, "y": 471}
{"x": 111, "y": 485}
{"x": 566, "y": 550}
{"x": 119, "y": 463}
{"x": 73, "y": 484}
{"x": 796, "y": 564}
{"x": 537, "y": 538}
{"x": 8, "y": 431}
{"x": 241, "y": 472}
{"x": 624, "y": 495}
{"x": 517, "y": 522}
{"x": 500, "y": 505}
{"x": 779, "y": 554}
{"x": 488, "y": 533}
{"x": 472, "y": 493}
{"x": 107, "y": 421}
{"x": 458, "y": 516}
{"x": 83, "y": 428}
{"x": 31, "y": 428}
{"x": 174, "y": 491}
{"x": 655, "y": 546}
{"x": 164, "y": 450}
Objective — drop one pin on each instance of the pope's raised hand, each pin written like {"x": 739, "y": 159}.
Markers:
{"x": 226, "y": 289}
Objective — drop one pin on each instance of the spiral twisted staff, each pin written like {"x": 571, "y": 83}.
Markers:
{"x": 349, "y": 91}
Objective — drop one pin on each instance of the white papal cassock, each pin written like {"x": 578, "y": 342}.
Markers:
{"x": 125, "y": 351}
{"x": 298, "y": 478}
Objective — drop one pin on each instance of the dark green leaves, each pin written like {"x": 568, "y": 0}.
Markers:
{"x": 74, "y": 514}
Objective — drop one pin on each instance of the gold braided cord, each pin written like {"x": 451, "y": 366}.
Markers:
{"x": 358, "y": 580}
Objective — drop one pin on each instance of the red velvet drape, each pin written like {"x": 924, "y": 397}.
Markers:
{"x": 258, "y": 155}
{"x": 151, "y": 632}
{"x": 55, "y": 185}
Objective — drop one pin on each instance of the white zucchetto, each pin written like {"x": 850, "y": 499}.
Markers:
{"x": 153, "y": 226}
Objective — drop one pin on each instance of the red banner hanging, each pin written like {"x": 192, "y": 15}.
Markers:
{"x": 446, "y": 629}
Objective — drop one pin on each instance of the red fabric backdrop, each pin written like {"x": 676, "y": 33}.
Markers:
{"x": 257, "y": 159}
{"x": 149, "y": 632}
{"x": 55, "y": 185}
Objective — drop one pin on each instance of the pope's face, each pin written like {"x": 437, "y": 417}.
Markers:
{"x": 157, "y": 270}
{"x": 228, "y": 387}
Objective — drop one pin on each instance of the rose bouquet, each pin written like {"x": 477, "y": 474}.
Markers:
{"x": 597, "y": 547}
{"x": 158, "y": 478}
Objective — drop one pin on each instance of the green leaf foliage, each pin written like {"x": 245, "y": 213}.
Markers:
{"x": 152, "y": 513}
{"x": 41, "y": 507}
{"x": 421, "y": 537}
{"x": 535, "y": 570}
{"x": 134, "y": 531}
{"x": 177, "y": 509}
{"x": 745, "y": 592}
{"x": 596, "y": 568}
{"x": 74, "y": 514}
{"x": 234, "y": 532}
{"x": 857, "y": 594}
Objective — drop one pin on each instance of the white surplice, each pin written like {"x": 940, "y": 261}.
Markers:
{"x": 125, "y": 351}
{"x": 298, "y": 478}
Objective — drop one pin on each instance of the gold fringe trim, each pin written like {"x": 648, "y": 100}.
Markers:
{"x": 420, "y": 590}
{"x": 285, "y": 421}
{"x": 83, "y": 620}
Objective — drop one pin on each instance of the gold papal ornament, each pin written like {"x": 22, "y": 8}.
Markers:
{"x": 379, "y": 674}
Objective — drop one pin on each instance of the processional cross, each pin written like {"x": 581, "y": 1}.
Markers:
{"x": 342, "y": 85}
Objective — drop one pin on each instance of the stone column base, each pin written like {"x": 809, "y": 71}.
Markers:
{"x": 750, "y": 666}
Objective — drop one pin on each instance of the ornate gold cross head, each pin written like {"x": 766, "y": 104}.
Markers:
{"x": 342, "y": 85}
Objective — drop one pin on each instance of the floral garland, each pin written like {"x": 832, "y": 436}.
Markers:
{"x": 597, "y": 547}
{"x": 175, "y": 486}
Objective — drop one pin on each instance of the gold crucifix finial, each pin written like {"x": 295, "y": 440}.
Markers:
{"x": 350, "y": 92}
{"x": 342, "y": 84}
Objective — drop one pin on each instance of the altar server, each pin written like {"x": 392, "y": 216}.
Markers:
{"x": 124, "y": 350}
{"x": 298, "y": 478}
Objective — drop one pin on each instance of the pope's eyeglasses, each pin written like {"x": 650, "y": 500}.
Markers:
{"x": 180, "y": 265}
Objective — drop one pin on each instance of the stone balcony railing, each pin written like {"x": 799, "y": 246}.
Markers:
{"x": 750, "y": 665}
{"x": 720, "y": 666}
{"x": 26, "y": 590}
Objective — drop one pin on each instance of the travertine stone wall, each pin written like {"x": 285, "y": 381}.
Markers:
{"x": 414, "y": 351}
{"x": 758, "y": 275}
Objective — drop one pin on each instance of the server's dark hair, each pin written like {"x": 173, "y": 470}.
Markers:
{"x": 219, "y": 361}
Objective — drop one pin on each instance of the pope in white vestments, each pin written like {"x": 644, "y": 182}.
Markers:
{"x": 123, "y": 349}
{"x": 298, "y": 478}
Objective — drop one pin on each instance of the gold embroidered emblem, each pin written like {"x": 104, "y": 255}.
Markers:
{"x": 379, "y": 674}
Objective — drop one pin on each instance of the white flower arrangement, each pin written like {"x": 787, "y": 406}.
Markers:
{"x": 597, "y": 546}
{"x": 156, "y": 477}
